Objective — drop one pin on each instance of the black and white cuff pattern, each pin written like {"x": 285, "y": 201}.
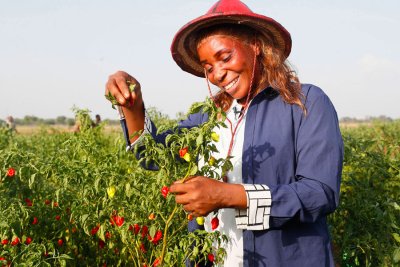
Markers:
{"x": 256, "y": 216}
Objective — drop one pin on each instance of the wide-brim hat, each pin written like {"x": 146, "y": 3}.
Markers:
{"x": 225, "y": 12}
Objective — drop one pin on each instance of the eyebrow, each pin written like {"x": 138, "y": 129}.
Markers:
{"x": 223, "y": 50}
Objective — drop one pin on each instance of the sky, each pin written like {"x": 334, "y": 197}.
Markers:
{"x": 57, "y": 54}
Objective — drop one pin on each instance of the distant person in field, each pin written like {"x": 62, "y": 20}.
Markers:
{"x": 97, "y": 120}
{"x": 283, "y": 137}
{"x": 88, "y": 123}
{"x": 11, "y": 123}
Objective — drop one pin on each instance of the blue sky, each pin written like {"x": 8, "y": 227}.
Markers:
{"x": 55, "y": 54}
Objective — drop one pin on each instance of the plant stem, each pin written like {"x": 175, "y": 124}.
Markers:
{"x": 187, "y": 173}
{"x": 166, "y": 233}
{"x": 165, "y": 239}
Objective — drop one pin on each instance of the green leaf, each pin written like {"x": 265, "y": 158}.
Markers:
{"x": 395, "y": 205}
{"x": 101, "y": 233}
{"x": 396, "y": 237}
{"x": 84, "y": 217}
{"x": 96, "y": 184}
{"x": 195, "y": 251}
{"x": 132, "y": 86}
{"x": 193, "y": 170}
{"x": 112, "y": 99}
{"x": 199, "y": 139}
{"x": 128, "y": 190}
{"x": 32, "y": 180}
{"x": 152, "y": 230}
{"x": 196, "y": 107}
{"x": 396, "y": 255}
{"x": 205, "y": 248}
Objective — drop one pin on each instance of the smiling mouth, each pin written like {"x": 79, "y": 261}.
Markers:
{"x": 231, "y": 84}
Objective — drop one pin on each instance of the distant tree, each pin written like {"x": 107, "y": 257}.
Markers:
{"x": 49, "y": 121}
{"x": 349, "y": 120}
{"x": 385, "y": 118}
{"x": 61, "y": 120}
{"x": 70, "y": 122}
{"x": 111, "y": 122}
{"x": 382, "y": 118}
{"x": 30, "y": 120}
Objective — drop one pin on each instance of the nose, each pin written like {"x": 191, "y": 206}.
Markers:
{"x": 220, "y": 74}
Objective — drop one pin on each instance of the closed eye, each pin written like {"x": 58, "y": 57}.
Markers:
{"x": 208, "y": 68}
{"x": 226, "y": 59}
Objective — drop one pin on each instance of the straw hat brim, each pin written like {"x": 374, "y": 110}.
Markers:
{"x": 184, "y": 53}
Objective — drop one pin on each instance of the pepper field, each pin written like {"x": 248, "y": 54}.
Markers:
{"x": 79, "y": 199}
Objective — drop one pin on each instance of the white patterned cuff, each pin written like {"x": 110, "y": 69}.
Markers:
{"x": 256, "y": 216}
{"x": 146, "y": 130}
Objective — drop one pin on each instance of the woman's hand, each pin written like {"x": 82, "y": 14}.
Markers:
{"x": 200, "y": 195}
{"x": 118, "y": 86}
{"x": 131, "y": 102}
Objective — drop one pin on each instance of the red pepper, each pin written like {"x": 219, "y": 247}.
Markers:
{"x": 164, "y": 191}
{"x": 10, "y": 172}
{"x": 118, "y": 220}
{"x": 156, "y": 262}
{"x": 108, "y": 235}
{"x": 101, "y": 244}
{"x": 136, "y": 228}
{"x": 157, "y": 237}
{"x": 95, "y": 229}
{"x": 143, "y": 248}
{"x": 145, "y": 230}
{"x": 15, "y": 241}
{"x": 183, "y": 152}
{"x": 214, "y": 223}
{"x": 28, "y": 202}
{"x": 28, "y": 240}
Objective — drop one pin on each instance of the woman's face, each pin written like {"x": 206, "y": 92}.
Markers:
{"x": 228, "y": 63}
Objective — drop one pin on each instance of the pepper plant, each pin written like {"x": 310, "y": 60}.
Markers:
{"x": 79, "y": 199}
{"x": 177, "y": 159}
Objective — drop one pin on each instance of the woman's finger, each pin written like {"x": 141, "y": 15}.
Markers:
{"x": 178, "y": 188}
{"x": 122, "y": 84}
{"x": 181, "y": 198}
{"x": 187, "y": 208}
{"x": 114, "y": 90}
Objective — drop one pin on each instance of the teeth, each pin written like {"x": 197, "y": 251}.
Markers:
{"x": 230, "y": 85}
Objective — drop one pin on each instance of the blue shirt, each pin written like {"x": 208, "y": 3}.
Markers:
{"x": 299, "y": 157}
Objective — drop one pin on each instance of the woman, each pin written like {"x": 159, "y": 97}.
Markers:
{"x": 283, "y": 136}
